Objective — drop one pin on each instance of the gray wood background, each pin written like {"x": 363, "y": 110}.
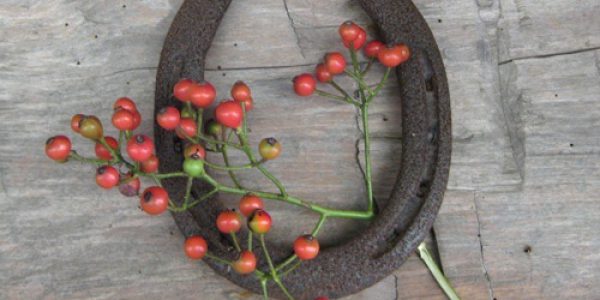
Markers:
{"x": 520, "y": 218}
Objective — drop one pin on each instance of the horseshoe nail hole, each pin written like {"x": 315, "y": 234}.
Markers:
{"x": 224, "y": 74}
{"x": 385, "y": 119}
{"x": 66, "y": 24}
{"x": 423, "y": 187}
{"x": 571, "y": 145}
{"x": 127, "y": 82}
{"x": 527, "y": 249}
{"x": 555, "y": 95}
{"x": 78, "y": 63}
{"x": 124, "y": 6}
{"x": 235, "y": 44}
{"x": 177, "y": 145}
{"x": 96, "y": 36}
{"x": 139, "y": 271}
{"x": 218, "y": 67}
{"x": 439, "y": 20}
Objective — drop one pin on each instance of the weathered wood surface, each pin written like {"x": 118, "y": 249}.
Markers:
{"x": 519, "y": 220}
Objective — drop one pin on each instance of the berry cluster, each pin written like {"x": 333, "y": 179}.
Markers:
{"x": 228, "y": 130}
{"x": 354, "y": 38}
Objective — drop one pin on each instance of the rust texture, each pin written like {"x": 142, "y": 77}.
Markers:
{"x": 418, "y": 192}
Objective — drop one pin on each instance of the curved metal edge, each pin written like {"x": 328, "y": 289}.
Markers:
{"x": 407, "y": 218}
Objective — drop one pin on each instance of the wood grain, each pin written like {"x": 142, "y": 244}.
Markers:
{"x": 519, "y": 221}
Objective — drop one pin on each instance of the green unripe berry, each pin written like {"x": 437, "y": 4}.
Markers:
{"x": 193, "y": 167}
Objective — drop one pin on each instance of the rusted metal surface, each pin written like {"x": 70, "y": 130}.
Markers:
{"x": 408, "y": 216}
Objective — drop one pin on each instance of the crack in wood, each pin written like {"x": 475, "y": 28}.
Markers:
{"x": 287, "y": 11}
{"x": 481, "y": 255}
{"x": 542, "y": 56}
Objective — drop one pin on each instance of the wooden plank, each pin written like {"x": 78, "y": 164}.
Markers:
{"x": 525, "y": 158}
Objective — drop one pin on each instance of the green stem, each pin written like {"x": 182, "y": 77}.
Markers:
{"x": 242, "y": 134}
{"x": 235, "y": 241}
{"x": 218, "y": 259}
{"x": 275, "y": 181}
{"x": 188, "y": 191}
{"x": 437, "y": 273}
{"x": 319, "y": 225}
{"x": 292, "y": 268}
{"x": 361, "y": 83}
{"x": 288, "y": 261}
{"x": 116, "y": 155}
{"x": 217, "y": 142}
{"x": 236, "y": 182}
{"x": 340, "y": 89}
{"x": 80, "y": 158}
{"x": 368, "y": 67}
{"x": 335, "y": 97}
{"x": 380, "y": 85}
{"x": 261, "y": 238}
{"x": 194, "y": 203}
{"x": 364, "y": 111}
{"x": 170, "y": 175}
{"x": 249, "y": 240}
{"x": 349, "y": 214}
{"x": 263, "y": 284}
{"x": 227, "y": 167}
{"x": 272, "y": 267}
{"x": 154, "y": 177}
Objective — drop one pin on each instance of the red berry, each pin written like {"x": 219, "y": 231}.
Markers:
{"x": 137, "y": 120}
{"x": 246, "y": 263}
{"x": 249, "y": 203}
{"x": 306, "y": 247}
{"x": 107, "y": 177}
{"x": 154, "y": 200}
{"x": 360, "y": 40}
{"x": 195, "y": 247}
{"x": 75, "y": 122}
{"x": 168, "y": 117}
{"x": 58, "y": 148}
{"x": 260, "y": 222}
{"x": 202, "y": 94}
{"x": 194, "y": 151}
{"x": 123, "y": 119}
{"x": 248, "y": 104}
{"x": 102, "y": 152}
{"x": 150, "y": 165}
{"x": 335, "y": 63}
{"x": 187, "y": 126}
{"x": 304, "y": 84}
{"x": 349, "y": 31}
{"x": 394, "y": 55}
{"x": 269, "y": 148}
{"x": 130, "y": 186}
{"x": 229, "y": 221}
{"x": 125, "y": 103}
{"x": 372, "y": 48}
{"x": 90, "y": 127}
{"x": 182, "y": 88}
{"x": 140, "y": 147}
{"x": 240, "y": 91}
{"x": 229, "y": 113}
{"x": 322, "y": 74}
